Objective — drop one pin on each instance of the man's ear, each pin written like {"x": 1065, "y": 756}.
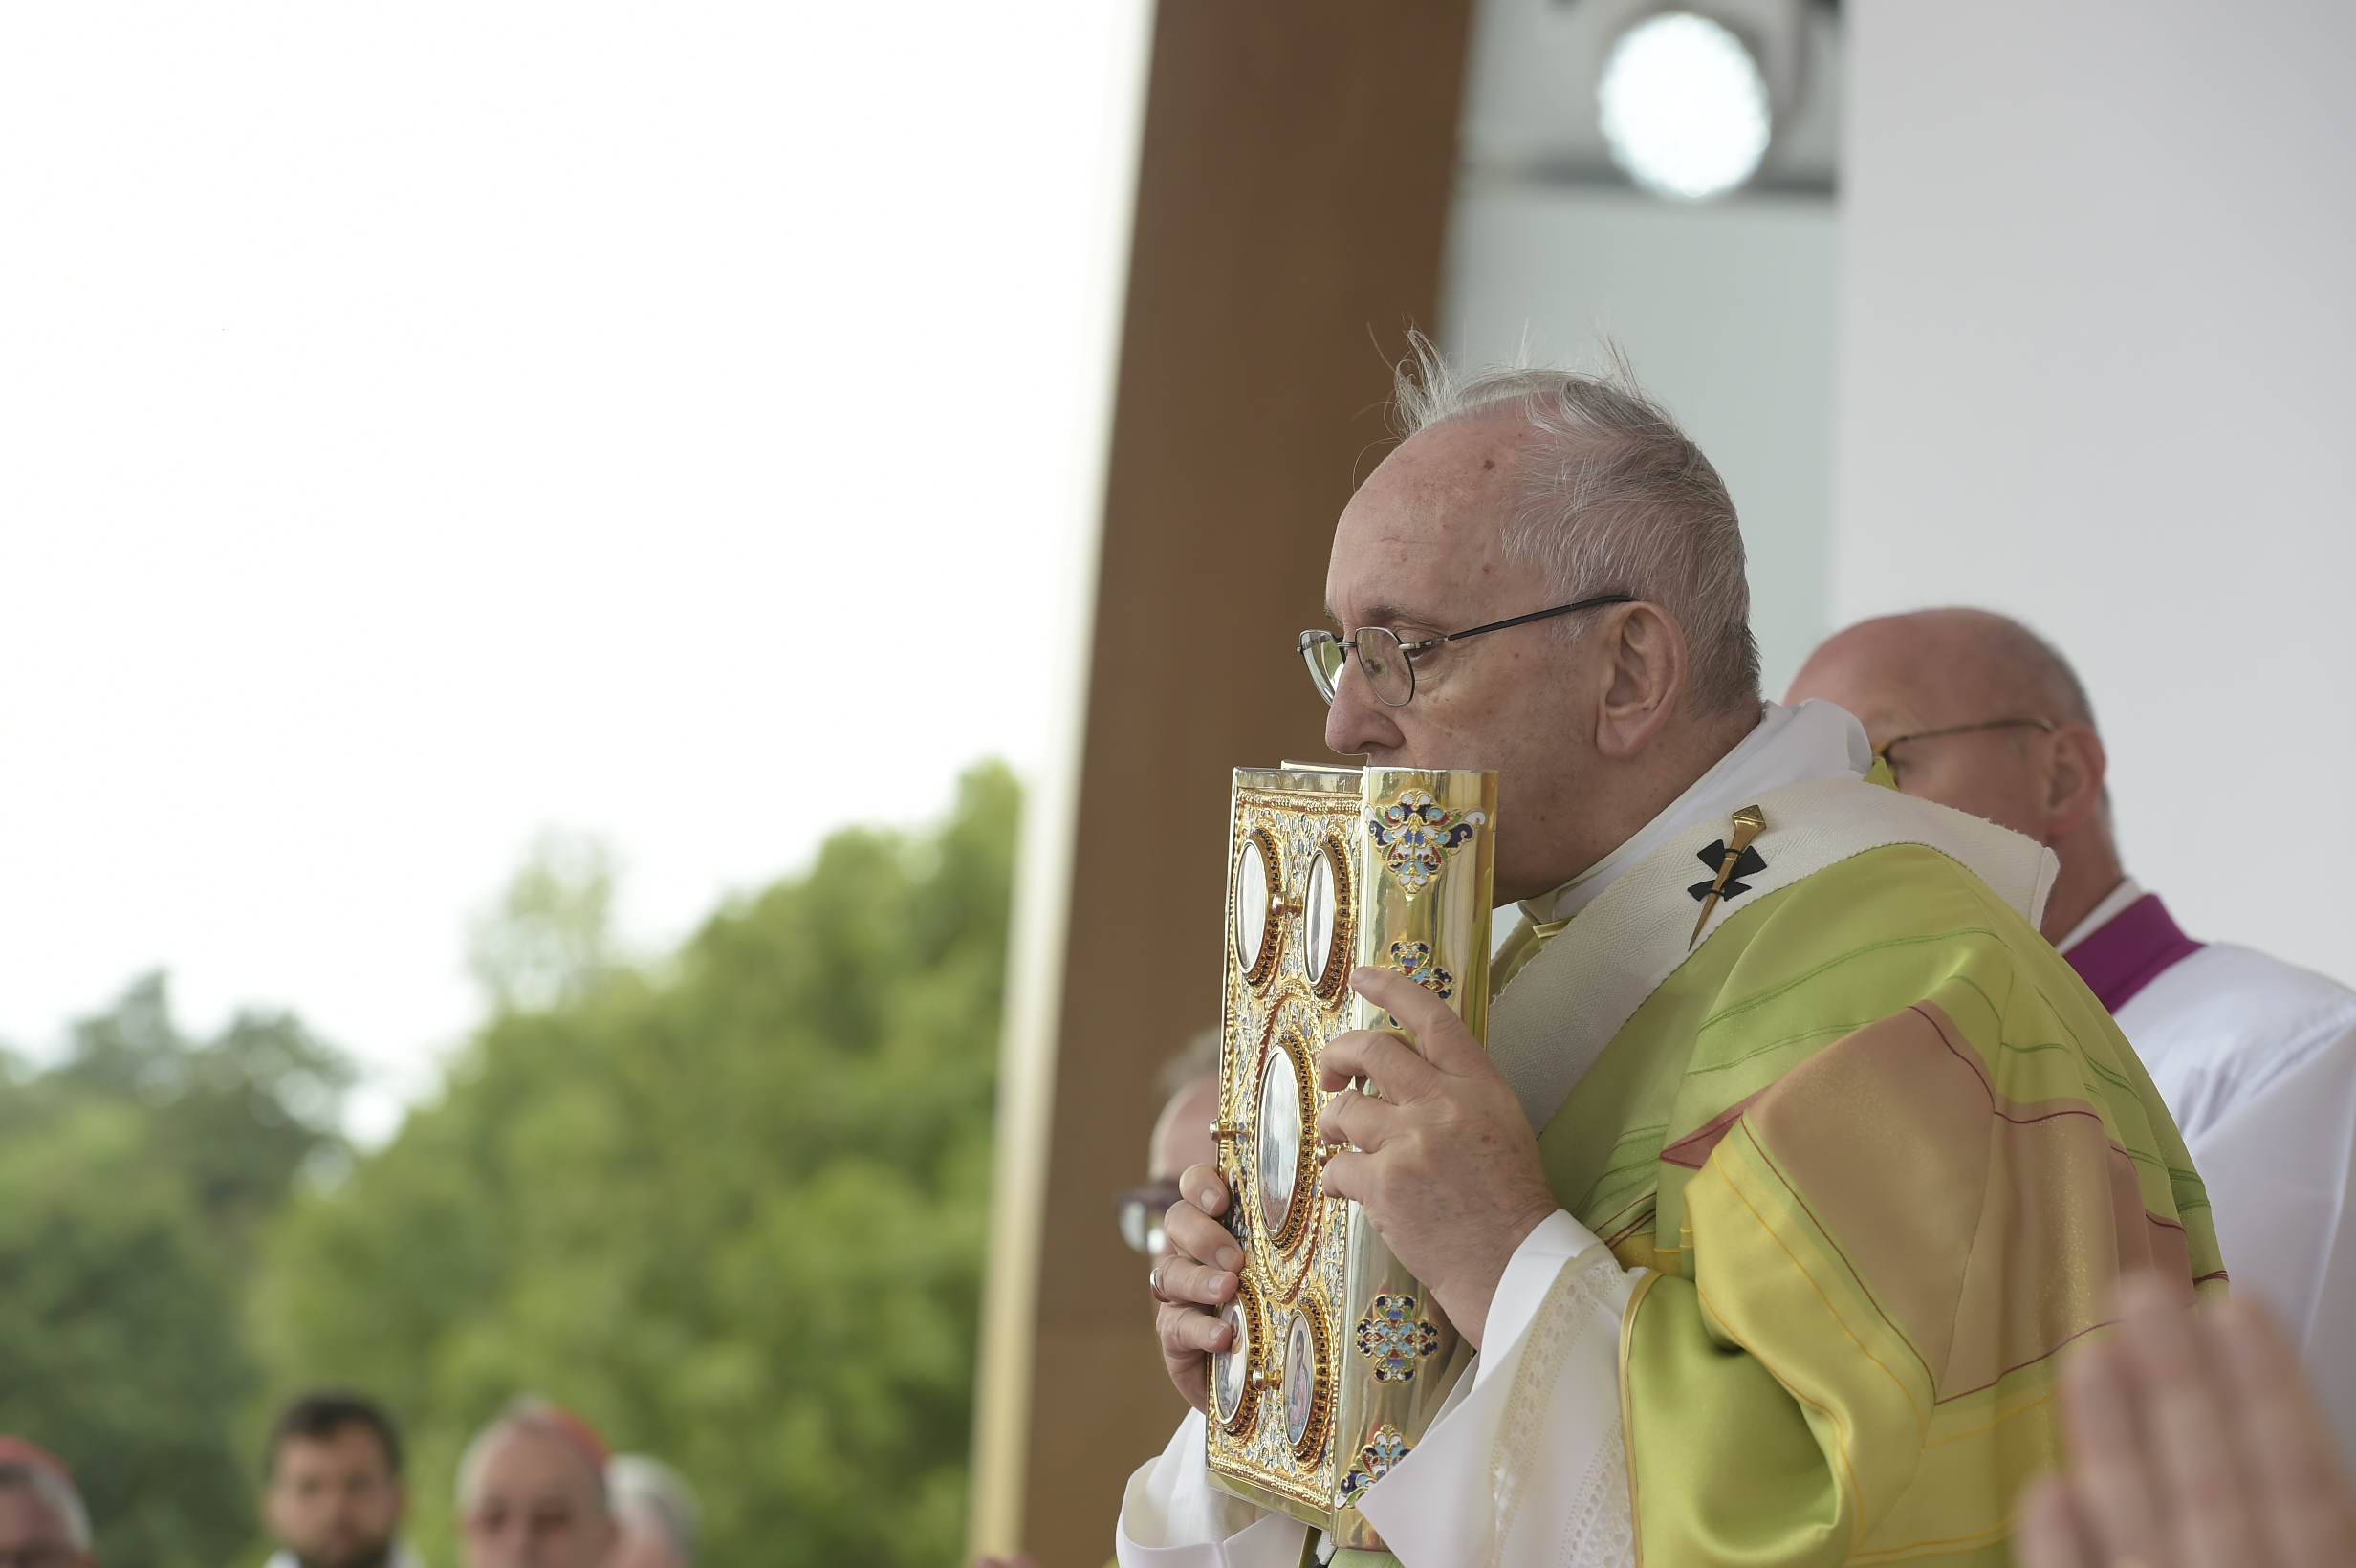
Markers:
{"x": 2073, "y": 788}
{"x": 1646, "y": 666}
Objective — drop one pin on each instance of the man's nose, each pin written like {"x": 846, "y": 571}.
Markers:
{"x": 1357, "y": 721}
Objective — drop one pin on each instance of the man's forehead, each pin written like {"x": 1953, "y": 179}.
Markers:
{"x": 1909, "y": 673}
{"x": 1455, "y": 473}
{"x": 1428, "y": 525}
{"x": 526, "y": 1457}
{"x": 338, "y": 1444}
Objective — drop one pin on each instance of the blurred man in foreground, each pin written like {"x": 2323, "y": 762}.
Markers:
{"x": 43, "y": 1523}
{"x": 532, "y": 1492}
{"x": 2256, "y": 1058}
{"x": 2192, "y": 1444}
{"x": 332, "y": 1494}
{"x": 655, "y": 1512}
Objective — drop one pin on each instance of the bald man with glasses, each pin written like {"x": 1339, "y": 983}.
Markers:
{"x": 2257, "y": 1059}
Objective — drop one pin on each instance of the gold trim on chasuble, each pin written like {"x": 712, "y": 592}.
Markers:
{"x": 1347, "y": 1358}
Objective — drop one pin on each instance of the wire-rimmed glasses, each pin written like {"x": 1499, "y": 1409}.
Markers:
{"x": 1390, "y": 663}
{"x": 1885, "y": 750}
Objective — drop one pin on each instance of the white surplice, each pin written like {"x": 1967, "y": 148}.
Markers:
{"x": 2256, "y": 1060}
{"x": 1524, "y": 1465}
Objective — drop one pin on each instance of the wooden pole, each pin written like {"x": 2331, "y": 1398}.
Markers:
{"x": 1290, "y": 207}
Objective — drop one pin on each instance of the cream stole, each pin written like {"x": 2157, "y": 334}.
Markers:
{"x": 1556, "y": 1015}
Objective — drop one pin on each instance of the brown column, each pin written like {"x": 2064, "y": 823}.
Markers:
{"x": 1293, "y": 195}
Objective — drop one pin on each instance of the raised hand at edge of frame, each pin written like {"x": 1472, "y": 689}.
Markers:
{"x": 2192, "y": 1444}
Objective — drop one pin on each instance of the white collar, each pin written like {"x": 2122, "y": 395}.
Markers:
{"x": 1789, "y": 746}
{"x": 2114, "y": 906}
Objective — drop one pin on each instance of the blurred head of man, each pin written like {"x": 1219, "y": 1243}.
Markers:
{"x": 43, "y": 1523}
{"x": 1181, "y": 1139}
{"x": 654, "y": 1510}
{"x": 1518, "y": 493}
{"x": 532, "y": 1492}
{"x": 1182, "y": 1133}
{"x": 1975, "y": 712}
{"x": 333, "y": 1496}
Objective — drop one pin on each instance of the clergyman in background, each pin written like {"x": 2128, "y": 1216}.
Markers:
{"x": 1190, "y": 1084}
{"x": 1181, "y": 1139}
{"x": 332, "y": 1493}
{"x": 532, "y": 1492}
{"x": 43, "y": 1523}
{"x": 2256, "y": 1058}
{"x": 655, "y": 1512}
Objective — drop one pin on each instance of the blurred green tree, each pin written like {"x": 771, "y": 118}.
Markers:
{"x": 550, "y": 939}
{"x": 134, "y": 1178}
{"x": 730, "y": 1208}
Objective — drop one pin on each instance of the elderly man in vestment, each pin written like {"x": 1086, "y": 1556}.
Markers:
{"x": 532, "y": 1492}
{"x": 1797, "y": 1156}
{"x": 2257, "y": 1059}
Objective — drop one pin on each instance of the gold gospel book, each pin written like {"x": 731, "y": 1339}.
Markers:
{"x": 1339, "y": 1359}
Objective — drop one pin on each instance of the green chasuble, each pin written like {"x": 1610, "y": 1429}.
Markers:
{"x": 1887, "y": 1158}
{"x": 1890, "y": 1156}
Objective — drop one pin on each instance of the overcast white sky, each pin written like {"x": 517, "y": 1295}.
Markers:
{"x": 421, "y": 424}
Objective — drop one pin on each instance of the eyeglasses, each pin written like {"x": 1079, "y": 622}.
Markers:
{"x": 1143, "y": 1209}
{"x": 1887, "y": 747}
{"x": 1389, "y": 664}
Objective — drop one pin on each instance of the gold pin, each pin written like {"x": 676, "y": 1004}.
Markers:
{"x": 1749, "y": 822}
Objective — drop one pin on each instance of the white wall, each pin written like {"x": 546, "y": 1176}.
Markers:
{"x": 1728, "y": 312}
{"x": 1726, "y": 306}
{"x": 2096, "y": 360}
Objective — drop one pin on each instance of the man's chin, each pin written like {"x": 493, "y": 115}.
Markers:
{"x": 375, "y": 1554}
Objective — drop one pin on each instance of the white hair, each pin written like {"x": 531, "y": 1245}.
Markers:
{"x": 1196, "y": 1059}
{"x": 63, "y": 1498}
{"x": 1617, "y": 499}
{"x": 651, "y": 1495}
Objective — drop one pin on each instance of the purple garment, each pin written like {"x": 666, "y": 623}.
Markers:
{"x": 2132, "y": 948}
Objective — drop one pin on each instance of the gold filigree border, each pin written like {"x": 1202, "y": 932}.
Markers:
{"x": 1254, "y": 1364}
{"x": 1312, "y": 1440}
{"x": 1306, "y": 1188}
{"x": 1271, "y": 923}
{"x": 1329, "y": 986}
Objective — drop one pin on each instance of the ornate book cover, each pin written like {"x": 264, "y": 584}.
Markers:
{"x": 1339, "y": 1360}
